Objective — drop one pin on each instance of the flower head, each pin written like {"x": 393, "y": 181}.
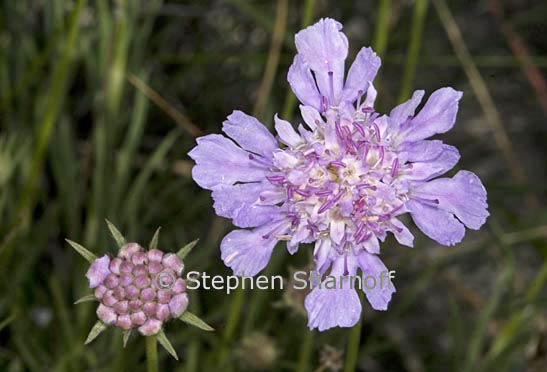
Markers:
{"x": 340, "y": 182}
{"x": 138, "y": 289}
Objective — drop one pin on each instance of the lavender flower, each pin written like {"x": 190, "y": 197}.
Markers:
{"x": 343, "y": 181}
{"x": 138, "y": 289}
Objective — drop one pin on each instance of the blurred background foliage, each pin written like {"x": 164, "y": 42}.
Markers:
{"x": 100, "y": 101}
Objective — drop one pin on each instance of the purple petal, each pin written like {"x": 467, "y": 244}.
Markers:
{"x": 322, "y": 255}
{"x": 340, "y": 307}
{"x": 247, "y": 252}
{"x": 250, "y": 134}
{"x": 220, "y": 162}
{"x": 421, "y": 150}
{"x": 361, "y": 73}
{"x": 240, "y": 202}
{"x": 406, "y": 109}
{"x": 463, "y": 195}
{"x": 98, "y": 271}
{"x": 427, "y": 170}
{"x": 325, "y": 49}
{"x": 311, "y": 116}
{"x": 303, "y": 84}
{"x": 402, "y": 233}
{"x": 286, "y": 133}
{"x": 378, "y": 294}
{"x": 439, "y": 225}
{"x": 437, "y": 116}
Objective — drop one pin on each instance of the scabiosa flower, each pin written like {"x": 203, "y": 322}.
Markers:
{"x": 341, "y": 182}
{"x": 138, "y": 289}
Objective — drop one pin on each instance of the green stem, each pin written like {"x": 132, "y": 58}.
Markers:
{"x": 420, "y": 10}
{"x": 231, "y": 324}
{"x": 152, "y": 354}
{"x": 305, "y": 352}
{"x": 382, "y": 27}
{"x": 352, "y": 351}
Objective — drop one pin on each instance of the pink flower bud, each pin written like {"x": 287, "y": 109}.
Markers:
{"x": 119, "y": 293}
{"x": 155, "y": 255}
{"x": 115, "y": 265}
{"x": 148, "y": 295}
{"x": 164, "y": 296}
{"x": 106, "y": 314}
{"x": 128, "y": 250}
{"x": 132, "y": 292}
{"x": 109, "y": 299}
{"x": 139, "y": 258}
{"x": 121, "y": 307}
{"x": 140, "y": 270}
{"x": 111, "y": 281}
{"x": 179, "y": 286}
{"x": 178, "y": 304}
{"x": 142, "y": 281}
{"x": 124, "y": 322}
{"x": 151, "y": 327}
{"x": 126, "y": 267}
{"x": 126, "y": 279}
{"x": 98, "y": 271}
{"x": 173, "y": 262}
{"x": 135, "y": 305}
{"x": 150, "y": 308}
{"x": 100, "y": 291}
{"x": 138, "y": 318}
{"x": 163, "y": 312}
{"x": 155, "y": 267}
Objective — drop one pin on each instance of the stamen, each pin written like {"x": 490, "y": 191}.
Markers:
{"x": 430, "y": 201}
{"x": 377, "y": 130}
{"x": 346, "y": 271}
{"x": 338, "y": 163}
{"x": 303, "y": 193}
{"x": 324, "y": 104}
{"x": 359, "y": 96}
{"x": 331, "y": 86}
{"x": 359, "y": 128}
{"x": 323, "y": 193}
{"x": 260, "y": 160}
{"x": 394, "y": 167}
{"x": 276, "y": 179}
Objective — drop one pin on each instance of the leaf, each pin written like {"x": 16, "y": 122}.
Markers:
{"x": 186, "y": 249}
{"x": 82, "y": 251}
{"x": 164, "y": 341}
{"x": 116, "y": 234}
{"x": 154, "y": 242}
{"x": 97, "y": 329}
{"x": 89, "y": 297}
{"x": 126, "y": 335}
{"x": 194, "y": 320}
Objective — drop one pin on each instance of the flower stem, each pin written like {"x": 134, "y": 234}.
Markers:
{"x": 305, "y": 352}
{"x": 354, "y": 341}
{"x": 231, "y": 324}
{"x": 152, "y": 354}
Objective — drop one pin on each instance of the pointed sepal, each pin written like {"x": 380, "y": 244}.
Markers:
{"x": 154, "y": 242}
{"x": 97, "y": 329}
{"x": 186, "y": 249}
{"x": 116, "y": 234}
{"x": 89, "y": 297}
{"x": 164, "y": 341}
{"x": 126, "y": 335}
{"x": 82, "y": 251}
{"x": 188, "y": 317}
